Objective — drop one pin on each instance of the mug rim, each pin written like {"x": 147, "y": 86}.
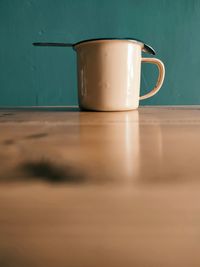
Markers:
{"x": 145, "y": 47}
{"x": 107, "y": 39}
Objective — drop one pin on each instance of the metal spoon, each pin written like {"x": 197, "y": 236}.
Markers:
{"x": 146, "y": 48}
{"x": 53, "y": 44}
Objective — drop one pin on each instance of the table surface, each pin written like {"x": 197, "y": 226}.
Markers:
{"x": 91, "y": 189}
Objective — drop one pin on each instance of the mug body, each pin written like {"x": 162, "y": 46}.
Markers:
{"x": 108, "y": 74}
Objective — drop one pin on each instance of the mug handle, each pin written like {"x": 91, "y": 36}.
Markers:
{"x": 161, "y": 76}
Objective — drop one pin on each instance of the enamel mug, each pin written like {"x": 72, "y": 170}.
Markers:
{"x": 109, "y": 73}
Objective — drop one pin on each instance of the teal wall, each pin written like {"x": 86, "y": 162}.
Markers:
{"x": 47, "y": 76}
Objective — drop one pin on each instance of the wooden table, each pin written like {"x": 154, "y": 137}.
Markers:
{"x": 92, "y": 189}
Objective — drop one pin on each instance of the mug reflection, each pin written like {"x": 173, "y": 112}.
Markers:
{"x": 109, "y": 148}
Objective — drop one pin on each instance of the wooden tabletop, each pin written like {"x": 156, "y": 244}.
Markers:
{"x": 98, "y": 189}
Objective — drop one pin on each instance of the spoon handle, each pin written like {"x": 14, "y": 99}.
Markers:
{"x": 53, "y": 44}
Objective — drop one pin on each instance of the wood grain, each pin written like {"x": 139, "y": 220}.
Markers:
{"x": 100, "y": 189}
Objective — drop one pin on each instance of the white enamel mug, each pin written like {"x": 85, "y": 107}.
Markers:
{"x": 109, "y": 73}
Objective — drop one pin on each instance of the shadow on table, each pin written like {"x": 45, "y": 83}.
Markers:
{"x": 47, "y": 171}
{"x": 44, "y": 171}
